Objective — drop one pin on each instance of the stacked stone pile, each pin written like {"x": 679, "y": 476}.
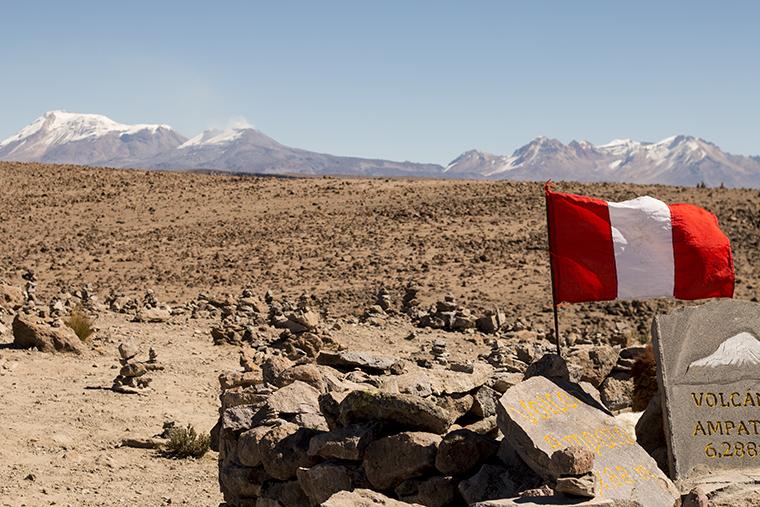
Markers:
{"x": 132, "y": 376}
{"x": 356, "y": 425}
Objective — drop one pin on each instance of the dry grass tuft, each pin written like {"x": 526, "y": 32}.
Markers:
{"x": 187, "y": 443}
{"x": 80, "y": 323}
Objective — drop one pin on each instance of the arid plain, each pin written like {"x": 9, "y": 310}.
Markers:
{"x": 336, "y": 240}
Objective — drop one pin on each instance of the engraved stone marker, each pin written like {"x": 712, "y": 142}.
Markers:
{"x": 540, "y": 416}
{"x": 708, "y": 367}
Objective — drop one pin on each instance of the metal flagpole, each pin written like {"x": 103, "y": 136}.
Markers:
{"x": 551, "y": 268}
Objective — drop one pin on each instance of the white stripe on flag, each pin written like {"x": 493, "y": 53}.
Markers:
{"x": 643, "y": 242}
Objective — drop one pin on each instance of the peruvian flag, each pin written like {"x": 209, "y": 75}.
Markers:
{"x": 637, "y": 249}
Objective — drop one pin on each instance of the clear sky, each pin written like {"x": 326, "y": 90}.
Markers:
{"x": 404, "y": 80}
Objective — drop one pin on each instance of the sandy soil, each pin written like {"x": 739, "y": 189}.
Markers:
{"x": 181, "y": 234}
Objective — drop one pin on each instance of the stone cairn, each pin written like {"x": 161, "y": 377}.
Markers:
{"x": 132, "y": 377}
{"x": 337, "y": 427}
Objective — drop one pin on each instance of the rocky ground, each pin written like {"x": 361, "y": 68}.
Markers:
{"x": 343, "y": 248}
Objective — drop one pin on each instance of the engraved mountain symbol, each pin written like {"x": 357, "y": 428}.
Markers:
{"x": 740, "y": 350}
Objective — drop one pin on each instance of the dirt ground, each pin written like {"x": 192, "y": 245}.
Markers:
{"x": 336, "y": 239}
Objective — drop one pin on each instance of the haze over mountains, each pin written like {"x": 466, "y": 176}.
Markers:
{"x": 90, "y": 139}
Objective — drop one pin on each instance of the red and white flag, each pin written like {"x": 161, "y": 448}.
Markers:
{"x": 637, "y": 249}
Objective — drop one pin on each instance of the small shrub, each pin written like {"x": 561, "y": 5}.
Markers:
{"x": 187, "y": 443}
{"x": 80, "y": 323}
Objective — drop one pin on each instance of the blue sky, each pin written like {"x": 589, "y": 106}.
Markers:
{"x": 405, "y": 80}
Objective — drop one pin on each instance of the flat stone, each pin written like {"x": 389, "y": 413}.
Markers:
{"x": 153, "y": 315}
{"x": 709, "y": 372}
{"x": 295, "y": 398}
{"x": 391, "y": 460}
{"x": 583, "y": 486}
{"x": 372, "y": 363}
{"x": 540, "y": 416}
{"x": 438, "y": 381}
{"x": 405, "y": 410}
{"x": 484, "y": 402}
{"x": 553, "y": 500}
{"x": 363, "y": 498}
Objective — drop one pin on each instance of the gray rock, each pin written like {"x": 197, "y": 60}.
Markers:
{"x": 550, "y": 366}
{"x": 248, "y": 452}
{"x": 372, "y": 363}
{"x": 29, "y": 332}
{"x": 391, "y": 460}
{"x": 282, "y": 494}
{"x": 708, "y": 360}
{"x": 153, "y": 315}
{"x": 484, "y": 402}
{"x": 273, "y": 367}
{"x": 438, "y": 381}
{"x": 540, "y": 416}
{"x": 323, "y": 480}
{"x": 461, "y": 451}
{"x": 405, "y": 410}
{"x": 489, "y": 483}
{"x": 697, "y": 497}
{"x": 239, "y": 418}
{"x": 238, "y": 482}
{"x": 283, "y": 450}
{"x": 295, "y": 398}
{"x": 591, "y": 363}
{"x": 436, "y": 491}
{"x": 347, "y": 443}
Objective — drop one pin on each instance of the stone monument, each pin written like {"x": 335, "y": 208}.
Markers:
{"x": 540, "y": 416}
{"x": 708, "y": 369}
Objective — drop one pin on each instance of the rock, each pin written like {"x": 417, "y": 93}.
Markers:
{"x": 650, "y": 432}
{"x": 436, "y": 491}
{"x": 501, "y": 381}
{"x": 592, "y": 363}
{"x": 540, "y": 416}
{"x": 307, "y": 373}
{"x": 249, "y": 395}
{"x": 438, "y": 381}
{"x": 489, "y": 483}
{"x": 461, "y": 451}
{"x": 347, "y": 443}
{"x": 550, "y": 366}
{"x": 239, "y": 418}
{"x": 405, "y": 410}
{"x": 583, "y": 486}
{"x": 237, "y": 482}
{"x": 248, "y": 451}
{"x": 231, "y": 379}
{"x": 696, "y": 498}
{"x": 273, "y": 367}
{"x": 372, "y": 363}
{"x": 616, "y": 394}
{"x": 573, "y": 460}
{"x": 456, "y": 405}
{"x": 556, "y": 500}
{"x": 133, "y": 370}
{"x": 28, "y": 333}
{"x": 282, "y": 494}
{"x": 143, "y": 443}
{"x": 391, "y": 460}
{"x": 484, "y": 403}
{"x": 323, "y": 480}
{"x": 295, "y": 398}
{"x": 127, "y": 351}
{"x": 11, "y": 297}
{"x": 485, "y": 426}
{"x": 153, "y": 315}
{"x": 363, "y": 498}
{"x": 283, "y": 450}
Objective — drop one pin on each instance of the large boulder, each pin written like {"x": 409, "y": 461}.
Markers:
{"x": 489, "y": 483}
{"x": 391, "y": 460}
{"x": 363, "y": 498}
{"x": 322, "y": 481}
{"x": 435, "y": 491}
{"x": 28, "y": 332}
{"x": 592, "y": 363}
{"x": 348, "y": 443}
{"x": 405, "y": 410}
{"x": 283, "y": 450}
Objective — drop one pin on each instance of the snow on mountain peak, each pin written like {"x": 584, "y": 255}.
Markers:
{"x": 214, "y": 136}
{"x": 58, "y": 127}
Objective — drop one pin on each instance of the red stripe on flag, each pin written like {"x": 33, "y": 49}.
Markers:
{"x": 580, "y": 248}
{"x": 704, "y": 266}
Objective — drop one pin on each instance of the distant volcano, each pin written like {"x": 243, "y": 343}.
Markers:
{"x": 730, "y": 361}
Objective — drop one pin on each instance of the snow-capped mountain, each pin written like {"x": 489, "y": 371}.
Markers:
{"x": 677, "y": 160}
{"x": 93, "y": 139}
{"x": 741, "y": 350}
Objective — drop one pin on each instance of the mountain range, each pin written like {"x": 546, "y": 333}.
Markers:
{"x": 92, "y": 139}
